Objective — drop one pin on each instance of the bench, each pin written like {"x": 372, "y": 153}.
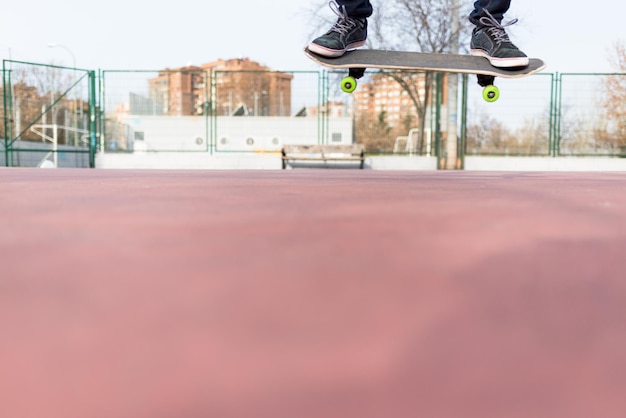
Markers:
{"x": 352, "y": 152}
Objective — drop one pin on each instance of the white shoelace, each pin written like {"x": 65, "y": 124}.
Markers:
{"x": 495, "y": 28}
{"x": 344, "y": 24}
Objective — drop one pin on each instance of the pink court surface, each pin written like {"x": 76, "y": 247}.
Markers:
{"x": 312, "y": 293}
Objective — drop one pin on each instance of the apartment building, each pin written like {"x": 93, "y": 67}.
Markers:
{"x": 383, "y": 93}
{"x": 241, "y": 87}
{"x": 177, "y": 92}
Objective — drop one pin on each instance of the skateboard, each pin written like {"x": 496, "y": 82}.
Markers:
{"x": 357, "y": 61}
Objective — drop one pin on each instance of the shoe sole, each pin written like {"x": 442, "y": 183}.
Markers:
{"x": 501, "y": 62}
{"x": 333, "y": 53}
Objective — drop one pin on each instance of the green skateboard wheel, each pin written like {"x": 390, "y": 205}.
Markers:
{"x": 348, "y": 84}
{"x": 491, "y": 93}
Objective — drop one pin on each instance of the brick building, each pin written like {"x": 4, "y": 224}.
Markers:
{"x": 382, "y": 93}
{"x": 241, "y": 87}
{"x": 178, "y": 92}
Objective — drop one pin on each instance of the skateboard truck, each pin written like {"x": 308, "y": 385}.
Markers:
{"x": 348, "y": 84}
{"x": 490, "y": 92}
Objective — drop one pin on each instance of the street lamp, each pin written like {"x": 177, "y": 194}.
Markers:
{"x": 69, "y": 51}
{"x": 8, "y": 48}
{"x": 53, "y": 45}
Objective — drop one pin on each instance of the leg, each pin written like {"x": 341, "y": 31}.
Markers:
{"x": 497, "y": 9}
{"x": 357, "y": 8}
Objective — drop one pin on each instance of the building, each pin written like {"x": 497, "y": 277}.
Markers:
{"x": 175, "y": 92}
{"x": 383, "y": 93}
{"x": 245, "y": 86}
{"x": 236, "y": 87}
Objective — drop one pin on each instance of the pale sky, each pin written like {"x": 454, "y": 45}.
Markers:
{"x": 137, "y": 34}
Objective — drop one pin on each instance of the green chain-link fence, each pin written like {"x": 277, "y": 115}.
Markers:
{"x": 154, "y": 111}
{"x": 520, "y": 122}
{"x": 591, "y": 118}
{"x": 49, "y": 116}
{"x": 53, "y": 116}
{"x": 196, "y": 110}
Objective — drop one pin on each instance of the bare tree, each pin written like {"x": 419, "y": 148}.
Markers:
{"x": 417, "y": 25}
{"x": 615, "y": 101}
{"x": 39, "y": 92}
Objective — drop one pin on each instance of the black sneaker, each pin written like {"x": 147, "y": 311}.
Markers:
{"x": 348, "y": 33}
{"x": 490, "y": 40}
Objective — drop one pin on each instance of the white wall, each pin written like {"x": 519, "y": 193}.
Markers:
{"x": 545, "y": 164}
{"x": 235, "y": 133}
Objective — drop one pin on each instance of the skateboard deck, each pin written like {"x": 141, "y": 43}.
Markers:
{"x": 357, "y": 61}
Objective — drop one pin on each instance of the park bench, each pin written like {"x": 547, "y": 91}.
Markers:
{"x": 325, "y": 153}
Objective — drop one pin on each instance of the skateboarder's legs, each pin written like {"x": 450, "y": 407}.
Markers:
{"x": 357, "y": 8}
{"x": 497, "y": 8}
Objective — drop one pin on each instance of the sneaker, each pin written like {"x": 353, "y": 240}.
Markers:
{"x": 490, "y": 40}
{"x": 348, "y": 33}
